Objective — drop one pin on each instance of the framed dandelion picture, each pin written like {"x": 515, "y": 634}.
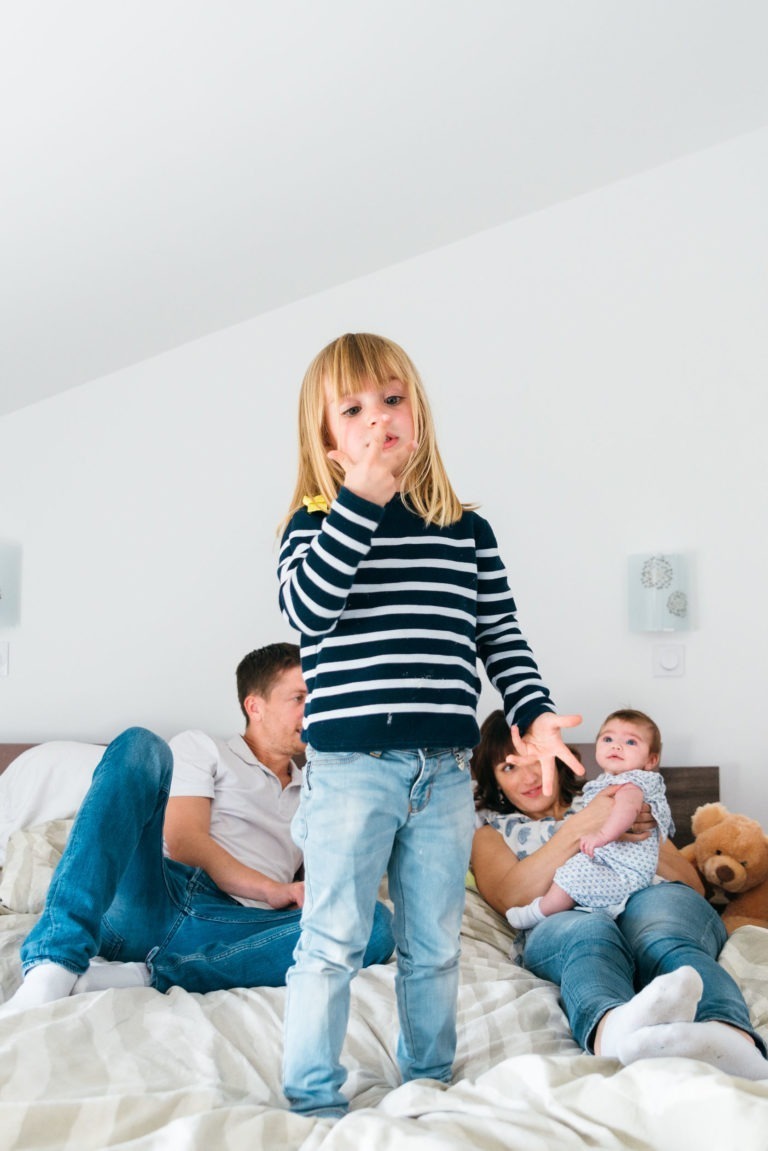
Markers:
{"x": 658, "y": 593}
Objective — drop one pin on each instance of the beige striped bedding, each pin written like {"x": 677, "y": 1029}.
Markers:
{"x": 134, "y": 1070}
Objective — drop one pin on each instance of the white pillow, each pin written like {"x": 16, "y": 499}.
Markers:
{"x": 46, "y": 782}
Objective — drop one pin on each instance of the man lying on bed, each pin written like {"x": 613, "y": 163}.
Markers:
{"x": 223, "y": 911}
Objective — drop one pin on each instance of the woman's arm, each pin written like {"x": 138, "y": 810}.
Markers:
{"x": 676, "y": 868}
{"x": 505, "y": 881}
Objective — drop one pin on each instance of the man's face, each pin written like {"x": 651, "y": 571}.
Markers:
{"x": 281, "y": 714}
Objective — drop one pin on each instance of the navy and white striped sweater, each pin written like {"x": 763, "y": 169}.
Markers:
{"x": 393, "y": 614}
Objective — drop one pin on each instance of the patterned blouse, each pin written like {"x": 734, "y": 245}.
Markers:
{"x": 523, "y": 835}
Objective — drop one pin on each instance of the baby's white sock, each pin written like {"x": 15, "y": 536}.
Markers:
{"x": 44, "y": 983}
{"x": 525, "y": 917}
{"x": 715, "y": 1043}
{"x": 102, "y": 974}
{"x": 670, "y": 998}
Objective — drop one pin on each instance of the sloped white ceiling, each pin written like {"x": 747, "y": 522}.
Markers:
{"x": 171, "y": 167}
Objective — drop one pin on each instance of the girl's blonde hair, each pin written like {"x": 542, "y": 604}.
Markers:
{"x": 350, "y": 364}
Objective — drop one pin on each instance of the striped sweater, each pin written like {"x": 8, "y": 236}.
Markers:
{"x": 393, "y": 614}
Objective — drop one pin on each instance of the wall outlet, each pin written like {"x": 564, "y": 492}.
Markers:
{"x": 668, "y": 659}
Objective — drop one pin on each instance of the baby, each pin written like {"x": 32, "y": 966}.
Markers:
{"x": 605, "y": 873}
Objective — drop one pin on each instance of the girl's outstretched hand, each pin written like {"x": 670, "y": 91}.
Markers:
{"x": 543, "y": 742}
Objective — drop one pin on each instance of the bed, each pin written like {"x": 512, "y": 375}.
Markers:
{"x": 132, "y": 1070}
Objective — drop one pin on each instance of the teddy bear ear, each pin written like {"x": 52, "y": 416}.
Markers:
{"x": 706, "y": 816}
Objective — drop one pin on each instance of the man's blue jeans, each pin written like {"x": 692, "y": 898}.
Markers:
{"x": 407, "y": 813}
{"x": 114, "y": 894}
{"x": 601, "y": 963}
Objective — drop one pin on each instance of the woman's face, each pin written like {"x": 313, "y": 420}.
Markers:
{"x": 522, "y": 787}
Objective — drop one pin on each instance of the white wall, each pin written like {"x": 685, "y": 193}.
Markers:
{"x": 598, "y": 375}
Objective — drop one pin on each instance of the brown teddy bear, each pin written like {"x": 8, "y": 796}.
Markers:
{"x": 730, "y": 852}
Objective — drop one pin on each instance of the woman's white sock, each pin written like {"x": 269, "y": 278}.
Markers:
{"x": 715, "y": 1043}
{"x": 670, "y": 998}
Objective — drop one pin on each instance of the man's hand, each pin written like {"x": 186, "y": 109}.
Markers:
{"x": 281, "y": 895}
{"x": 543, "y": 742}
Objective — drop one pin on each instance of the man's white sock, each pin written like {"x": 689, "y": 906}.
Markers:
{"x": 44, "y": 983}
{"x": 102, "y": 974}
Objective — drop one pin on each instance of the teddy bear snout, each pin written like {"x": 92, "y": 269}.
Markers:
{"x": 725, "y": 874}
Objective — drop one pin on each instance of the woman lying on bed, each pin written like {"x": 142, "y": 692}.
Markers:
{"x": 665, "y": 942}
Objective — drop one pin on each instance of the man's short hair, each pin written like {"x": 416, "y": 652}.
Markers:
{"x": 258, "y": 671}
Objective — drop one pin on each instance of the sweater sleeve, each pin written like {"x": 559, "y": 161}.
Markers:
{"x": 319, "y": 558}
{"x": 502, "y": 647}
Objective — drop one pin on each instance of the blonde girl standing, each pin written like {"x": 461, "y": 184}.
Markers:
{"x": 396, "y": 589}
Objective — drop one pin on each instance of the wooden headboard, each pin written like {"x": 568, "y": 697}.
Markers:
{"x": 687, "y": 789}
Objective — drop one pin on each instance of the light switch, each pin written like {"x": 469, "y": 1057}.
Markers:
{"x": 4, "y": 657}
{"x": 668, "y": 659}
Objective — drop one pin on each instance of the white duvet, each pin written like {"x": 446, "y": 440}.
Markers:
{"x": 138, "y": 1070}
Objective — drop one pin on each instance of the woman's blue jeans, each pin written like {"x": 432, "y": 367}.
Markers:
{"x": 409, "y": 814}
{"x": 601, "y": 963}
{"x": 114, "y": 894}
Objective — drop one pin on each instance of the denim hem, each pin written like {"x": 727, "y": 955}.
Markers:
{"x": 65, "y": 963}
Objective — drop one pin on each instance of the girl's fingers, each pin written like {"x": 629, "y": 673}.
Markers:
{"x": 341, "y": 459}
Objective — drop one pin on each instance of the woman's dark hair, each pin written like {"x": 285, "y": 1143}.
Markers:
{"x": 494, "y": 747}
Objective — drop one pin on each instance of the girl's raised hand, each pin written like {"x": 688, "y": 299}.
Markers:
{"x": 370, "y": 476}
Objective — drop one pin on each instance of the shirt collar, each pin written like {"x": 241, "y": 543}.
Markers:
{"x": 241, "y": 749}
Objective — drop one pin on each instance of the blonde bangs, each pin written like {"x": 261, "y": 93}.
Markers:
{"x": 350, "y": 364}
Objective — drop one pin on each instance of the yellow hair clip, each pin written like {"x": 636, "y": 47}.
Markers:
{"x": 315, "y": 503}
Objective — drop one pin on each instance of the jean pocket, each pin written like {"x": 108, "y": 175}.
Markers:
{"x": 463, "y": 757}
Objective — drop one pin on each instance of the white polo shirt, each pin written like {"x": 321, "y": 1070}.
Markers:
{"x": 251, "y": 812}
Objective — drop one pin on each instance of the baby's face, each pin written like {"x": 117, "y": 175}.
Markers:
{"x": 624, "y": 747}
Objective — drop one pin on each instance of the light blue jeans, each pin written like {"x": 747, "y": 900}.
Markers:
{"x": 114, "y": 894}
{"x": 600, "y": 963}
{"x": 409, "y": 814}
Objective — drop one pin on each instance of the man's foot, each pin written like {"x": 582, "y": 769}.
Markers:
{"x": 44, "y": 983}
{"x": 102, "y": 974}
